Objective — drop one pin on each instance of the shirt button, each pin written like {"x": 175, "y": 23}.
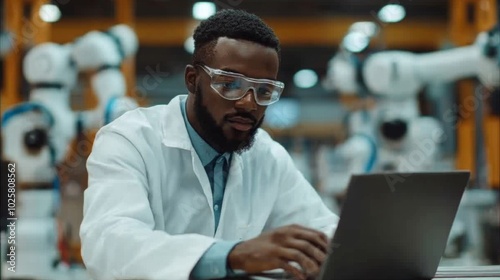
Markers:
{"x": 216, "y": 207}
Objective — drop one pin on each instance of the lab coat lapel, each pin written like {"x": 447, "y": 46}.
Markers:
{"x": 175, "y": 135}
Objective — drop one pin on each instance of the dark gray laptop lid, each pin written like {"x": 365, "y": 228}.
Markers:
{"x": 394, "y": 225}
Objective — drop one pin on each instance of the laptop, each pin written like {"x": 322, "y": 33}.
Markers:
{"x": 394, "y": 225}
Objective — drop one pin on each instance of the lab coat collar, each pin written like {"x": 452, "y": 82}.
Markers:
{"x": 175, "y": 134}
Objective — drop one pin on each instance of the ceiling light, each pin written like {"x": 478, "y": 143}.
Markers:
{"x": 49, "y": 13}
{"x": 305, "y": 78}
{"x": 392, "y": 13}
{"x": 203, "y": 10}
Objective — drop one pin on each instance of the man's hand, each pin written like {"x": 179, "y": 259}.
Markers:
{"x": 275, "y": 249}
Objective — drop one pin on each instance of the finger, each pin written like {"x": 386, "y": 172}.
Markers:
{"x": 309, "y": 265}
{"x": 322, "y": 235}
{"x": 295, "y": 272}
{"x": 307, "y": 248}
{"x": 316, "y": 238}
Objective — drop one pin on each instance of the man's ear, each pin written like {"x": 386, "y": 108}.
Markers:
{"x": 190, "y": 78}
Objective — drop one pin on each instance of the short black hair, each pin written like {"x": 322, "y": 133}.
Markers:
{"x": 234, "y": 24}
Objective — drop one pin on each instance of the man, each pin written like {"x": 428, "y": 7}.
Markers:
{"x": 194, "y": 188}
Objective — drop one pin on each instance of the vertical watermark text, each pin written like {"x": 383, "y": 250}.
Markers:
{"x": 11, "y": 217}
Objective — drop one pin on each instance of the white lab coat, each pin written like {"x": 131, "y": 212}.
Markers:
{"x": 148, "y": 208}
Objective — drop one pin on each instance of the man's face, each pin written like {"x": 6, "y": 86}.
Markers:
{"x": 214, "y": 133}
{"x": 230, "y": 126}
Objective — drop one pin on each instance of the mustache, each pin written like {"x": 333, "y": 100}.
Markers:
{"x": 241, "y": 115}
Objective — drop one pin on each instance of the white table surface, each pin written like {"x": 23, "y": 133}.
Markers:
{"x": 443, "y": 273}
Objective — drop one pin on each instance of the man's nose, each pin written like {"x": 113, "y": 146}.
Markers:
{"x": 247, "y": 102}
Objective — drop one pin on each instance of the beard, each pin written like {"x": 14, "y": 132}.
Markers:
{"x": 214, "y": 134}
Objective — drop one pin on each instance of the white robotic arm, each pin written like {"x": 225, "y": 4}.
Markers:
{"x": 51, "y": 74}
{"x": 404, "y": 140}
{"x": 37, "y": 133}
{"x": 104, "y": 52}
{"x": 36, "y": 137}
{"x": 396, "y": 77}
{"x": 402, "y": 74}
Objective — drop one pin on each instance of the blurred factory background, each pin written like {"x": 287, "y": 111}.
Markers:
{"x": 344, "y": 109}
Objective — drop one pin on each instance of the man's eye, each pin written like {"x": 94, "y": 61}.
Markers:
{"x": 265, "y": 91}
{"x": 230, "y": 85}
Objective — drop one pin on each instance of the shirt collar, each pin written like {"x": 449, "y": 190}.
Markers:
{"x": 205, "y": 152}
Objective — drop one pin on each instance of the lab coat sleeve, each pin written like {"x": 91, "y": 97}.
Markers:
{"x": 297, "y": 201}
{"x": 118, "y": 235}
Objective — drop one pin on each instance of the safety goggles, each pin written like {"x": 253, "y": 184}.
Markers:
{"x": 233, "y": 86}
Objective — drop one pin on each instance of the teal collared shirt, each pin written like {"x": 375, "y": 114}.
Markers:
{"x": 213, "y": 264}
